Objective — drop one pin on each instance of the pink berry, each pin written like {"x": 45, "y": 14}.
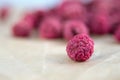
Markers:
{"x": 111, "y": 10}
{"x": 80, "y": 48}
{"x": 91, "y": 8}
{"x": 39, "y": 16}
{"x": 117, "y": 34}
{"x": 29, "y": 16}
{"x": 72, "y": 9}
{"x": 33, "y": 18}
{"x": 98, "y": 16}
{"x": 113, "y": 28}
{"x": 99, "y": 25}
{"x": 50, "y": 28}
{"x": 74, "y": 27}
{"x": 114, "y": 15}
{"x": 4, "y": 13}
{"x": 22, "y": 29}
{"x": 53, "y": 12}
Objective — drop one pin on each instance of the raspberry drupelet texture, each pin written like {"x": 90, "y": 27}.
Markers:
{"x": 117, "y": 34}
{"x": 80, "y": 48}
{"x": 50, "y": 28}
{"x": 74, "y": 27}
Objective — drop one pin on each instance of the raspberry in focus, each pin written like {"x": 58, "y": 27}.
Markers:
{"x": 80, "y": 48}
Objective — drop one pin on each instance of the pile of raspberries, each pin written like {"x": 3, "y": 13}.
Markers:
{"x": 74, "y": 21}
{"x": 70, "y": 18}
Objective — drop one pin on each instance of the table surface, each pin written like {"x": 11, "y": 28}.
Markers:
{"x": 37, "y": 59}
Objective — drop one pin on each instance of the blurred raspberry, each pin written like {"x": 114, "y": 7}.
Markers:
{"x": 74, "y": 27}
{"x": 98, "y": 16}
{"x": 39, "y": 16}
{"x": 111, "y": 10}
{"x": 90, "y": 11}
{"x": 72, "y": 9}
{"x": 29, "y": 16}
{"x": 80, "y": 48}
{"x": 4, "y": 12}
{"x": 113, "y": 28}
{"x": 50, "y": 28}
{"x": 99, "y": 25}
{"x": 114, "y": 14}
{"x": 53, "y": 12}
{"x": 22, "y": 28}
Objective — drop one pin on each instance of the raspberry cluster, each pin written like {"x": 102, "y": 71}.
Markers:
{"x": 74, "y": 21}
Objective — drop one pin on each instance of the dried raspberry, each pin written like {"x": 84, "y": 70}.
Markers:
{"x": 50, "y": 28}
{"x": 39, "y": 16}
{"x": 98, "y": 16}
{"x": 53, "y": 12}
{"x": 29, "y": 16}
{"x": 4, "y": 13}
{"x": 80, "y": 48}
{"x": 114, "y": 15}
{"x": 74, "y": 27}
{"x": 92, "y": 9}
{"x": 33, "y": 18}
{"x": 117, "y": 34}
{"x": 100, "y": 25}
{"x": 22, "y": 29}
{"x": 113, "y": 28}
{"x": 72, "y": 9}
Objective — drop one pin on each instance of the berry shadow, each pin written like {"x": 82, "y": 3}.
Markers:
{"x": 63, "y": 59}
{"x": 59, "y": 59}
